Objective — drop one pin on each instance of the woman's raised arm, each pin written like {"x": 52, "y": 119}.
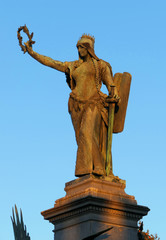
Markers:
{"x": 47, "y": 61}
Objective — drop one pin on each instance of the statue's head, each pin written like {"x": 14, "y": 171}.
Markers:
{"x": 87, "y": 42}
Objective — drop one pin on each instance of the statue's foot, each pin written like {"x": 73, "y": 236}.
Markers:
{"x": 98, "y": 172}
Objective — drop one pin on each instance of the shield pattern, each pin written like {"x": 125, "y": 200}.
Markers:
{"x": 122, "y": 82}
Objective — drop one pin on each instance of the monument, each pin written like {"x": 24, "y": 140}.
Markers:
{"x": 96, "y": 205}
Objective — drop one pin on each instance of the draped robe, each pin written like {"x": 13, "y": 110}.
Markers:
{"x": 89, "y": 113}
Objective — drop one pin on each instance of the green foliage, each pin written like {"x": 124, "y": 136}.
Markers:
{"x": 145, "y": 235}
{"x": 20, "y": 231}
{"x": 148, "y": 237}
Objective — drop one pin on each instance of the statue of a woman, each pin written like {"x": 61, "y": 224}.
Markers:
{"x": 87, "y": 104}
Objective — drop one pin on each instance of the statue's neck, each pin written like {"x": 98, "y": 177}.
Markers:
{"x": 87, "y": 58}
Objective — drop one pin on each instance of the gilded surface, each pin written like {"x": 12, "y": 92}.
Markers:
{"x": 88, "y": 106}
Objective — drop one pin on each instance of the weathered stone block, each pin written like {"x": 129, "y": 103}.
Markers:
{"x": 92, "y": 205}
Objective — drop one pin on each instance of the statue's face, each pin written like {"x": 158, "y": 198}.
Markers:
{"x": 83, "y": 52}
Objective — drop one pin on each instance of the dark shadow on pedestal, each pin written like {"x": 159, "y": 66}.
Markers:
{"x": 94, "y": 236}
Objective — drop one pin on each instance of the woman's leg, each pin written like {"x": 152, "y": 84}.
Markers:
{"x": 89, "y": 156}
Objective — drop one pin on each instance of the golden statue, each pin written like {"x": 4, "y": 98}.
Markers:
{"x": 88, "y": 106}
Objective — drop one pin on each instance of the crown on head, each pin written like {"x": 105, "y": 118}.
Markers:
{"x": 87, "y": 38}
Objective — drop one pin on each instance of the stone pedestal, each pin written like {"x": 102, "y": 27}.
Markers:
{"x": 93, "y": 205}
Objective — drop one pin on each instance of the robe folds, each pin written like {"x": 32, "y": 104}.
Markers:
{"x": 90, "y": 122}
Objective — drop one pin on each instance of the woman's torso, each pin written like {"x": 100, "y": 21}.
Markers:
{"x": 85, "y": 80}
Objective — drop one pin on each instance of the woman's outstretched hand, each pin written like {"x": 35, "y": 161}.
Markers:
{"x": 28, "y": 46}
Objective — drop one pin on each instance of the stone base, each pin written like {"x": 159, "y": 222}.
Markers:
{"x": 91, "y": 206}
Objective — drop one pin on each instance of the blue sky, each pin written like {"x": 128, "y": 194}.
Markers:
{"x": 37, "y": 142}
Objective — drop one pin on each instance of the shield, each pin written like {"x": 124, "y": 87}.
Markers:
{"x": 122, "y": 82}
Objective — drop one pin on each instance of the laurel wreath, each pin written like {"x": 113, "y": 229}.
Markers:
{"x": 30, "y": 36}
